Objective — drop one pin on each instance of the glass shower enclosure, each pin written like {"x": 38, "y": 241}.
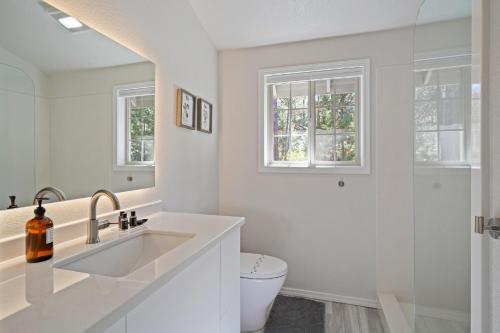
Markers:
{"x": 447, "y": 165}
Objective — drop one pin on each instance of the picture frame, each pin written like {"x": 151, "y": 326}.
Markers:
{"x": 204, "y": 114}
{"x": 186, "y": 109}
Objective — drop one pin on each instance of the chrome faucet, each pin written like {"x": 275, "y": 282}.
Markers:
{"x": 49, "y": 189}
{"x": 94, "y": 225}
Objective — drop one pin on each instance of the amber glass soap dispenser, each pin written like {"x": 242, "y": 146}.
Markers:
{"x": 39, "y": 235}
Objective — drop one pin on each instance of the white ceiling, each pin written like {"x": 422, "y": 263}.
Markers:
{"x": 32, "y": 34}
{"x": 29, "y": 32}
{"x": 247, "y": 23}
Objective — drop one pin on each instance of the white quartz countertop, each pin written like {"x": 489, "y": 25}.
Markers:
{"x": 40, "y": 298}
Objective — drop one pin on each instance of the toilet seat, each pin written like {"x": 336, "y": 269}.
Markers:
{"x": 258, "y": 266}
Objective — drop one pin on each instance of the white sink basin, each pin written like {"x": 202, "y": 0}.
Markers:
{"x": 124, "y": 256}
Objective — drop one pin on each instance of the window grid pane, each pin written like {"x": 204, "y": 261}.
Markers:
{"x": 440, "y": 115}
{"x": 140, "y": 129}
{"x": 291, "y": 122}
{"x": 336, "y": 103}
{"x": 334, "y": 133}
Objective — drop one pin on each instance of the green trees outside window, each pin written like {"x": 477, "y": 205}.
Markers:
{"x": 335, "y": 109}
{"x": 140, "y": 129}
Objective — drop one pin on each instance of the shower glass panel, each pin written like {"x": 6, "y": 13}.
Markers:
{"x": 17, "y": 150}
{"x": 445, "y": 157}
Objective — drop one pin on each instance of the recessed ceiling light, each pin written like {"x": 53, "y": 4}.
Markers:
{"x": 70, "y": 22}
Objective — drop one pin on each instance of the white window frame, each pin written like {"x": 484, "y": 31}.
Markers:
{"x": 340, "y": 69}
{"x": 120, "y": 131}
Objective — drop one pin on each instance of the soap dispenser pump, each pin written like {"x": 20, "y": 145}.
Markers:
{"x": 39, "y": 235}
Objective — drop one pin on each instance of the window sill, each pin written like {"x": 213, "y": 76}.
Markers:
{"x": 444, "y": 169}
{"x": 445, "y": 165}
{"x": 339, "y": 170}
{"x": 136, "y": 168}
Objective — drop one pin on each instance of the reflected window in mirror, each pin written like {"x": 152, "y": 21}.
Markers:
{"x": 140, "y": 129}
{"x": 135, "y": 118}
{"x": 442, "y": 112}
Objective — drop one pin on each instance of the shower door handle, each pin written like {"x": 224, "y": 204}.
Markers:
{"x": 493, "y": 226}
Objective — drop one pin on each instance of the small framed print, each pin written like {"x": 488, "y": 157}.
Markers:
{"x": 204, "y": 116}
{"x": 186, "y": 108}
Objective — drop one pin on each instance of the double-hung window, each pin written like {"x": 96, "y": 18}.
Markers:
{"x": 315, "y": 118}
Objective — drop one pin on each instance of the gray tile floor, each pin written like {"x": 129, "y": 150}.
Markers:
{"x": 345, "y": 318}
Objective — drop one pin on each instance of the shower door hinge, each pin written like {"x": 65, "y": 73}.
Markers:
{"x": 493, "y": 226}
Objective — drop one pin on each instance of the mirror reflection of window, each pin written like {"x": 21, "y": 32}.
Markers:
{"x": 442, "y": 113}
{"x": 140, "y": 129}
{"x": 135, "y": 119}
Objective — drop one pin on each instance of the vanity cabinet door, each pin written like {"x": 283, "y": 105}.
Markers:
{"x": 188, "y": 303}
{"x": 230, "y": 283}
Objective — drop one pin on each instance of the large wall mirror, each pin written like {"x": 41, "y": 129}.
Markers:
{"x": 77, "y": 110}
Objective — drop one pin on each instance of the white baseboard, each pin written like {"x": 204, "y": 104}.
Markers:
{"x": 320, "y": 296}
{"x": 440, "y": 313}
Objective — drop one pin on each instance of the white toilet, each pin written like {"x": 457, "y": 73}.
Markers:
{"x": 261, "y": 278}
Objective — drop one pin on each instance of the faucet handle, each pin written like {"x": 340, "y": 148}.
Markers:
{"x": 103, "y": 224}
{"x": 141, "y": 222}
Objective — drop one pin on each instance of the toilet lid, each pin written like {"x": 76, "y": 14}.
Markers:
{"x": 258, "y": 266}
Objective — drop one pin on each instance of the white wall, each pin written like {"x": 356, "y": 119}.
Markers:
{"x": 42, "y": 143}
{"x": 327, "y": 234}
{"x": 18, "y": 87}
{"x": 167, "y": 33}
{"x": 435, "y": 38}
{"x": 394, "y": 186}
{"x": 442, "y": 239}
{"x": 38, "y": 77}
{"x": 17, "y": 117}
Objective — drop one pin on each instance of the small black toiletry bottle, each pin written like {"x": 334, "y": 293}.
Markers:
{"x": 123, "y": 221}
{"x": 39, "y": 235}
{"x": 133, "y": 219}
{"x": 12, "y": 202}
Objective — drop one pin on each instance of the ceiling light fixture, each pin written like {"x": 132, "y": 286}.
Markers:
{"x": 68, "y": 22}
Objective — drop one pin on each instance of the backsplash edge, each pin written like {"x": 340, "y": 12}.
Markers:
{"x": 13, "y": 246}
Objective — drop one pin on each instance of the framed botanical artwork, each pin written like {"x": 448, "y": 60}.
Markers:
{"x": 186, "y": 109}
{"x": 204, "y": 116}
